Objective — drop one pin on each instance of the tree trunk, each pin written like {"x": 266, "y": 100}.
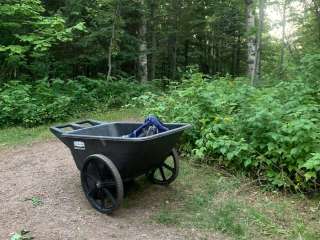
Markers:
{"x": 211, "y": 63}
{"x": 283, "y": 39}
{"x": 143, "y": 57}
{"x": 153, "y": 28}
{"x": 257, "y": 65}
{"x": 237, "y": 72}
{"x": 116, "y": 12}
{"x": 252, "y": 39}
{"x": 213, "y": 52}
{"x": 234, "y": 58}
{"x": 110, "y": 52}
{"x": 219, "y": 65}
{"x": 186, "y": 53}
{"x": 172, "y": 41}
{"x": 172, "y": 53}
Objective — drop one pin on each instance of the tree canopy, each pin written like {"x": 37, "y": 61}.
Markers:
{"x": 152, "y": 39}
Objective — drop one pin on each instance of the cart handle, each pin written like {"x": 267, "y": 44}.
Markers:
{"x": 58, "y": 130}
{"x": 91, "y": 122}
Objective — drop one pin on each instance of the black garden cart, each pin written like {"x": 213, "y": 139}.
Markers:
{"x": 107, "y": 159}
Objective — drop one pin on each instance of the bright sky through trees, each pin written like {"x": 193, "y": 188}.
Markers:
{"x": 274, "y": 14}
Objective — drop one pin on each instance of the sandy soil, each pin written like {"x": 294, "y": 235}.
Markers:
{"x": 46, "y": 170}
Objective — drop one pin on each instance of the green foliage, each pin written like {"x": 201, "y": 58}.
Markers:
{"x": 29, "y": 34}
{"x": 47, "y": 101}
{"x": 310, "y": 68}
{"x": 17, "y": 136}
{"x": 35, "y": 201}
{"x": 68, "y": 38}
{"x": 273, "y": 133}
{"x": 21, "y": 235}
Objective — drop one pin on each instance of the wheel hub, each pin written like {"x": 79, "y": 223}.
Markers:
{"x": 98, "y": 184}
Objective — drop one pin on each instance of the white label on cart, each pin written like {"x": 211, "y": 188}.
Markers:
{"x": 78, "y": 145}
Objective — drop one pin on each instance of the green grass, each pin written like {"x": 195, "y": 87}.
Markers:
{"x": 210, "y": 200}
{"x": 20, "y": 135}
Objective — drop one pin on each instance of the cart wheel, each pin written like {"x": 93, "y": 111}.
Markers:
{"x": 167, "y": 172}
{"x": 102, "y": 183}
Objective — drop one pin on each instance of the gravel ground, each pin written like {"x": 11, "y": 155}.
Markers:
{"x": 46, "y": 170}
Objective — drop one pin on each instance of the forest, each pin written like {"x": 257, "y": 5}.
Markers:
{"x": 245, "y": 73}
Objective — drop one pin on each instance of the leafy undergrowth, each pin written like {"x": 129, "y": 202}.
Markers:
{"x": 270, "y": 133}
{"x": 211, "y": 200}
{"x": 20, "y": 135}
{"x": 56, "y": 100}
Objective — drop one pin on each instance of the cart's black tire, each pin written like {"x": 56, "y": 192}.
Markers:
{"x": 173, "y": 170}
{"x": 102, "y": 183}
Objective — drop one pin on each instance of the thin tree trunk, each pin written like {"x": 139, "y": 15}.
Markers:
{"x": 112, "y": 39}
{"x": 143, "y": 57}
{"x": 213, "y": 53}
{"x": 211, "y": 64}
{"x": 172, "y": 41}
{"x": 234, "y": 54}
{"x": 257, "y": 65}
{"x": 238, "y": 55}
{"x": 201, "y": 59}
{"x": 252, "y": 39}
{"x": 283, "y": 39}
{"x": 219, "y": 65}
{"x": 153, "y": 27}
{"x": 206, "y": 54}
{"x": 186, "y": 53}
{"x": 172, "y": 52}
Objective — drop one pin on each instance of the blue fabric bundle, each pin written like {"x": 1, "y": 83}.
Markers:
{"x": 151, "y": 126}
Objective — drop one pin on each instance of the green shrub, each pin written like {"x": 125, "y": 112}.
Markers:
{"x": 272, "y": 132}
{"x": 47, "y": 101}
{"x": 310, "y": 68}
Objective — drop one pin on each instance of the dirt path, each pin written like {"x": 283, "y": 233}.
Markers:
{"x": 46, "y": 170}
